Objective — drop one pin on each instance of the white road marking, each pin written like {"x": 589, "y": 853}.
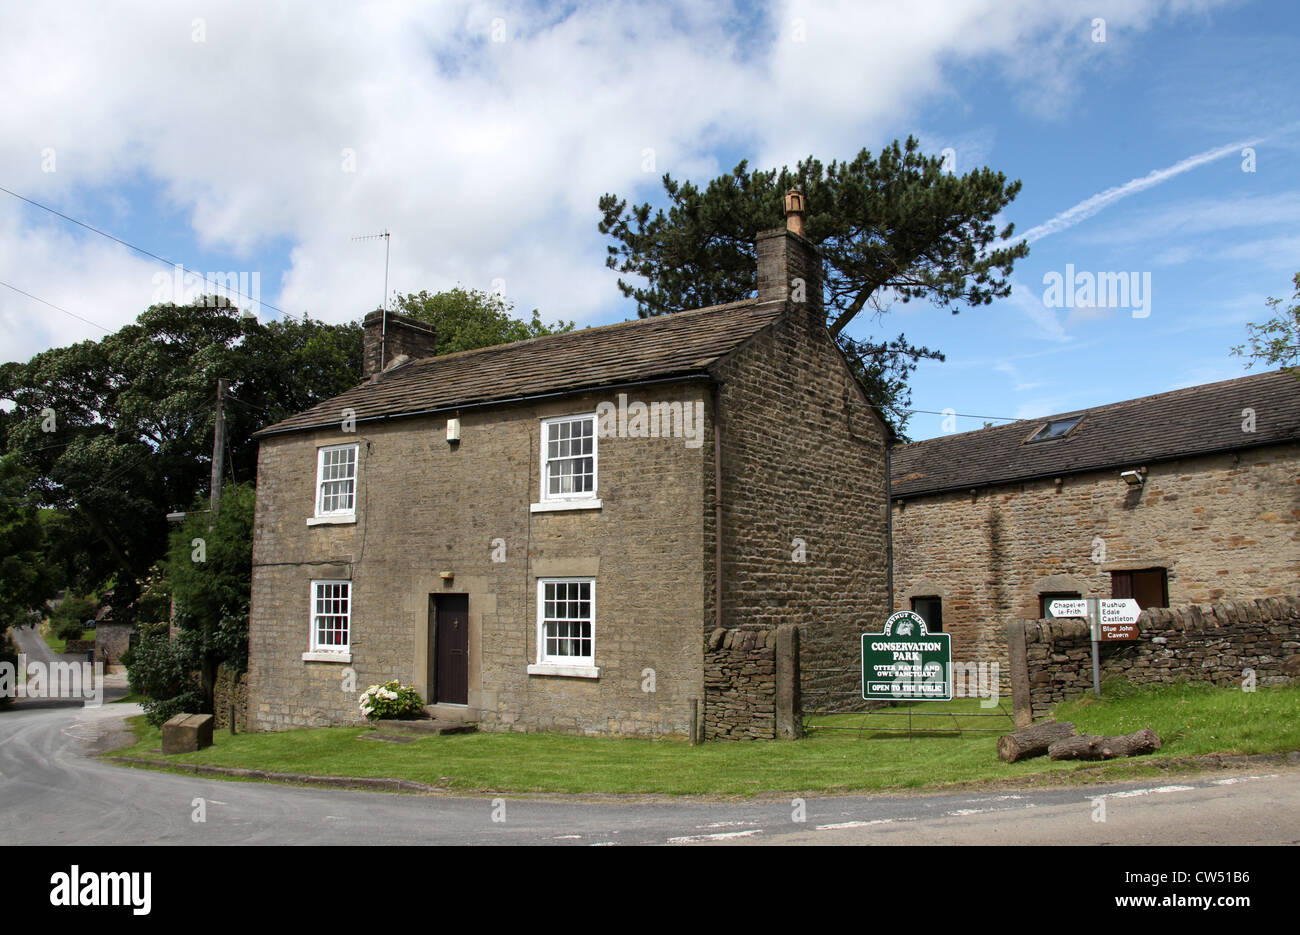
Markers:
{"x": 692, "y": 838}
{"x": 1232, "y": 781}
{"x": 568, "y": 837}
{"x": 1135, "y": 792}
{"x": 729, "y": 824}
{"x": 855, "y": 824}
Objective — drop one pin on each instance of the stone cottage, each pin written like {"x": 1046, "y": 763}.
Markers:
{"x": 595, "y": 532}
{"x": 1191, "y": 496}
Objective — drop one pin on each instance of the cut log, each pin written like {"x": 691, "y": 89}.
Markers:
{"x": 1094, "y": 747}
{"x": 1032, "y": 740}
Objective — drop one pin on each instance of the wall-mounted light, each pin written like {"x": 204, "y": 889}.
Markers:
{"x": 453, "y": 430}
{"x": 1133, "y": 478}
{"x": 447, "y": 575}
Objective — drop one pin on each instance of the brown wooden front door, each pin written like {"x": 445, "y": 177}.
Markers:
{"x": 451, "y": 649}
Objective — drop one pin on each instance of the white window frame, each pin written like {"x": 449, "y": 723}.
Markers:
{"x": 348, "y": 515}
{"x": 328, "y": 652}
{"x": 587, "y": 499}
{"x": 570, "y": 666}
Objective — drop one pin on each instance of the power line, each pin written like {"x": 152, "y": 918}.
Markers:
{"x": 240, "y": 402}
{"x": 964, "y": 415}
{"x": 53, "y": 306}
{"x": 130, "y": 246}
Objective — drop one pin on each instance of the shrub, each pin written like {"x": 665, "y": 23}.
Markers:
{"x": 161, "y": 671}
{"x": 69, "y": 629}
{"x": 390, "y": 700}
{"x": 72, "y": 610}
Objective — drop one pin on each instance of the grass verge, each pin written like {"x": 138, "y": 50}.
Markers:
{"x": 1191, "y": 719}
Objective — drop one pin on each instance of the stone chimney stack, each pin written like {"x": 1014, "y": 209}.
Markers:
{"x": 400, "y": 335}
{"x": 789, "y": 266}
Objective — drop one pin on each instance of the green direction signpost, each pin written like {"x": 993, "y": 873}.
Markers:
{"x": 906, "y": 662}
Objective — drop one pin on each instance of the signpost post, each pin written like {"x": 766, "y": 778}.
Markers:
{"x": 1110, "y": 620}
{"x": 1096, "y": 653}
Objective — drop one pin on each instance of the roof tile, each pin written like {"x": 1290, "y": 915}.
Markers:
{"x": 682, "y": 344}
{"x": 1195, "y": 420}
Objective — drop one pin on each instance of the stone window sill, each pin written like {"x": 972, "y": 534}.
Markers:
{"x": 573, "y": 672}
{"x": 326, "y": 657}
{"x": 340, "y": 520}
{"x": 550, "y": 506}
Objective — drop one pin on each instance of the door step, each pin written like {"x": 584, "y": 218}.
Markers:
{"x": 451, "y": 713}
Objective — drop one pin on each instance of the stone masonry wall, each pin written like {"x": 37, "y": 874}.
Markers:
{"x": 425, "y": 508}
{"x": 111, "y": 640}
{"x": 231, "y": 688}
{"x": 1223, "y": 526}
{"x": 740, "y": 684}
{"x": 804, "y": 500}
{"x": 1202, "y": 642}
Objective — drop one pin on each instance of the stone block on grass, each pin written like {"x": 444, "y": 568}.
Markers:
{"x": 186, "y": 733}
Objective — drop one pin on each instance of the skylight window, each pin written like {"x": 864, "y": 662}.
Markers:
{"x": 1055, "y": 429}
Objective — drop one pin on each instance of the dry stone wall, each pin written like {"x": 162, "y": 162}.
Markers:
{"x": 231, "y": 688}
{"x": 1051, "y": 660}
{"x": 740, "y": 684}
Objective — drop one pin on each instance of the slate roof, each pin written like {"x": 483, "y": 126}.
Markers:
{"x": 679, "y": 345}
{"x": 1192, "y": 421}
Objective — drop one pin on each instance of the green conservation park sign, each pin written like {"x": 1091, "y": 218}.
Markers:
{"x": 906, "y": 662}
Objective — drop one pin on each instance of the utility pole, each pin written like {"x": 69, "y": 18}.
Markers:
{"x": 207, "y": 666}
{"x": 218, "y": 453}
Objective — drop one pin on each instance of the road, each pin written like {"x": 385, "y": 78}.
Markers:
{"x": 29, "y": 641}
{"x": 53, "y": 791}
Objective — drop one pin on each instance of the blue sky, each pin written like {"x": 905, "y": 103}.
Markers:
{"x": 261, "y": 141}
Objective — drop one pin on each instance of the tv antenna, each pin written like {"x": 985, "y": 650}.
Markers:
{"x": 383, "y": 327}
{"x": 385, "y": 236}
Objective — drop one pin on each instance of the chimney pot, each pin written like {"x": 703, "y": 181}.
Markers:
{"x": 794, "y": 209}
{"x": 789, "y": 266}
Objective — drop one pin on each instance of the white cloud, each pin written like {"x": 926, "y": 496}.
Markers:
{"x": 1028, "y": 301}
{"x": 485, "y": 159}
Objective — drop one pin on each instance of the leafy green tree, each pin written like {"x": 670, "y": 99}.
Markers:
{"x": 1277, "y": 341}
{"x": 891, "y": 228}
{"x": 209, "y": 574}
{"x": 26, "y": 579}
{"x": 466, "y": 319}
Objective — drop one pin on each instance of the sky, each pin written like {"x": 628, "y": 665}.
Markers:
{"x": 1158, "y": 144}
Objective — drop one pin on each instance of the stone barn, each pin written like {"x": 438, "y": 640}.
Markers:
{"x": 1186, "y": 497}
